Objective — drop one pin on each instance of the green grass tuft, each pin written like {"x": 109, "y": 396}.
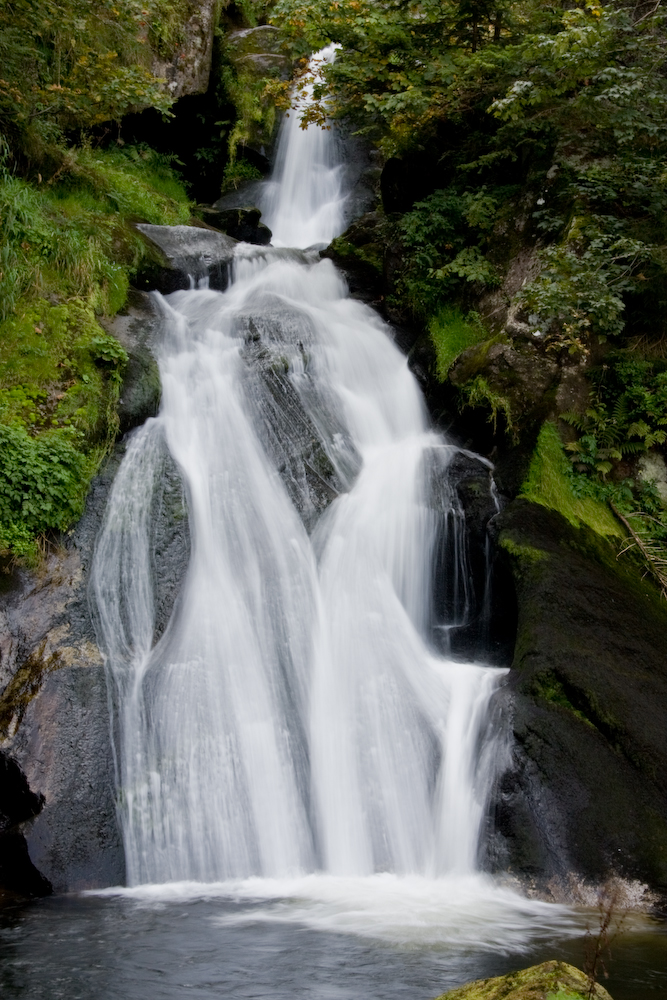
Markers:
{"x": 451, "y": 333}
{"x": 549, "y": 483}
{"x": 68, "y": 255}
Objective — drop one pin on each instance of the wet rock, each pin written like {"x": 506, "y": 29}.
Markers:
{"x": 261, "y": 64}
{"x": 54, "y": 724}
{"x": 275, "y": 338}
{"x": 18, "y": 804}
{"x": 540, "y": 982}
{"x": 587, "y": 792}
{"x": 517, "y": 371}
{"x": 136, "y": 328}
{"x": 242, "y": 224}
{"x": 255, "y": 54}
{"x": 189, "y": 254}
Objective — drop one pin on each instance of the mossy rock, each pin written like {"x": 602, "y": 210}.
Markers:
{"x": 549, "y": 981}
{"x": 588, "y": 784}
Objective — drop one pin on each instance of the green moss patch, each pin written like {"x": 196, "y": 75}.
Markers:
{"x": 549, "y": 484}
{"x": 68, "y": 256}
{"x": 451, "y": 333}
{"x": 549, "y": 981}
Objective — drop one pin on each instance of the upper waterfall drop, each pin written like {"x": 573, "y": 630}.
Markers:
{"x": 304, "y": 201}
{"x": 297, "y": 715}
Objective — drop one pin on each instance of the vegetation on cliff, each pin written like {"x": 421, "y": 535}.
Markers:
{"x": 526, "y": 149}
{"x": 68, "y": 249}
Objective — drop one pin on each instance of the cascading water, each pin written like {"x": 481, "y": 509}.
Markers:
{"x": 295, "y": 716}
{"x": 304, "y": 202}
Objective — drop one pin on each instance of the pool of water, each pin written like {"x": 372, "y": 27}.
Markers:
{"x": 331, "y": 941}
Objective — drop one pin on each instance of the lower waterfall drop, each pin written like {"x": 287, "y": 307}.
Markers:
{"x": 295, "y": 716}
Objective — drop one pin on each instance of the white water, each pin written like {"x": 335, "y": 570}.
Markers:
{"x": 295, "y": 717}
{"x": 304, "y": 202}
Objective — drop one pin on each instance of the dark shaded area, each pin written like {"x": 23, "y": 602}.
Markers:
{"x": 473, "y": 613}
{"x": 18, "y": 803}
{"x": 241, "y": 223}
{"x": 194, "y": 140}
{"x": 587, "y": 791}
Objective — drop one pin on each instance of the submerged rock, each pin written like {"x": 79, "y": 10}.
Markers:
{"x": 549, "y": 981}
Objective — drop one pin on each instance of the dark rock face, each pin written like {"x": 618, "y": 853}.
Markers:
{"x": 587, "y": 792}
{"x": 55, "y": 728}
{"x": 242, "y": 224}
{"x": 17, "y": 805}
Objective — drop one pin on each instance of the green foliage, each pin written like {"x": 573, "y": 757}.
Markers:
{"x": 452, "y": 332}
{"x": 238, "y": 172}
{"x": 60, "y": 376}
{"x": 581, "y": 284}
{"x": 627, "y": 413}
{"x": 478, "y": 393}
{"x": 42, "y": 485}
{"x": 83, "y": 64}
{"x": 68, "y": 254}
{"x": 67, "y": 237}
{"x": 566, "y": 106}
{"x": 550, "y": 483}
{"x": 440, "y": 260}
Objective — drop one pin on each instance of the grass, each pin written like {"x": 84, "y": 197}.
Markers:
{"x": 549, "y": 483}
{"x": 451, "y": 333}
{"x": 68, "y": 255}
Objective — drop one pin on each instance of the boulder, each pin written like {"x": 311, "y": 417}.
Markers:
{"x": 549, "y": 981}
{"x": 135, "y": 327}
{"x": 242, "y": 224}
{"x": 187, "y": 254}
{"x": 187, "y": 69}
{"x": 587, "y": 791}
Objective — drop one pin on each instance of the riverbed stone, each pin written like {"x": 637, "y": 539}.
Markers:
{"x": 548, "y": 981}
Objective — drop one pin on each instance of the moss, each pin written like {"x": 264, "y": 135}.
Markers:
{"x": 478, "y": 393}
{"x": 451, "y": 333}
{"x": 68, "y": 256}
{"x": 473, "y": 361}
{"x": 549, "y": 981}
{"x": 549, "y": 688}
{"x": 70, "y": 238}
{"x": 371, "y": 254}
{"x": 549, "y": 484}
{"x": 23, "y": 687}
{"x": 524, "y": 553}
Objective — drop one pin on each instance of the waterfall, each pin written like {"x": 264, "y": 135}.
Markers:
{"x": 297, "y": 714}
{"x": 304, "y": 202}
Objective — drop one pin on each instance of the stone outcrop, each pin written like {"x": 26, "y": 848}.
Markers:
{"x": 540, "y": 982}
{"x": 54, "y": 719}
{"x": 242, "y": 224}
{"x": 188, "y": 69}
{"x": 587, "y": 789}
{"x": 182, "y": 254}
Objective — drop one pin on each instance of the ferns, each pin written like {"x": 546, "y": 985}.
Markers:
{"x": 626, "y": 417}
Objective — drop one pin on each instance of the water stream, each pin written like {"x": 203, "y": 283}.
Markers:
{"x": 296, "y": 716}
